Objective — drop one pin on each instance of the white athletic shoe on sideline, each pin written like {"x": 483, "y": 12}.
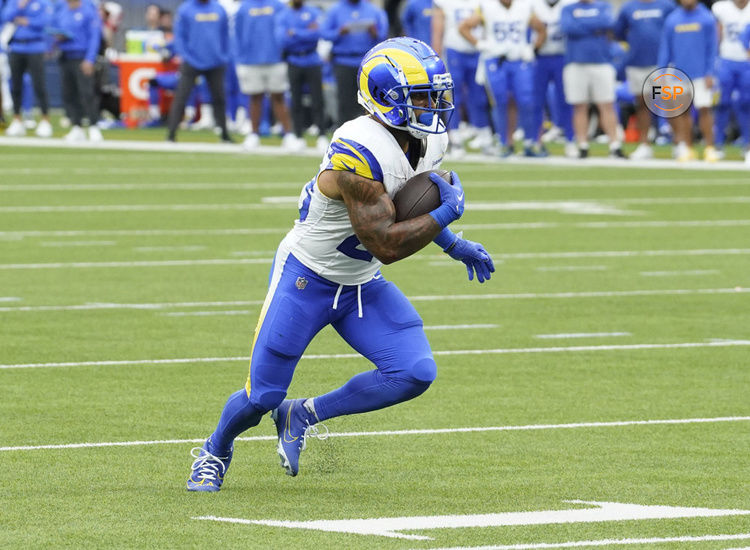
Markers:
{"x": 44, "y": 129}
{"x": 642, "y": 152}
{"x": 76, "y": 134}
{"x": 95, "y": 134}
{"x": 252, "y": 142}
{"x": 291, "y": 143}
{"x": 571, "y": 150}
{"x": 16, "y": 129}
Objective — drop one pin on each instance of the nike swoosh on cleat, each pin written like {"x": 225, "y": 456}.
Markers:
{"x": 286, "y": 427}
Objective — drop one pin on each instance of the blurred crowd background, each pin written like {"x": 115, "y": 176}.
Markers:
{"x": 527, "y": 72}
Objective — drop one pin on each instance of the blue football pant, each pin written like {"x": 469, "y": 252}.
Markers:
{"x": 517, "y": 78}
{"x": 548, "y": 70}
{"x": 299, "y": 304}
{"x": 466, "y": 91}
{"x": 733, "y": 76}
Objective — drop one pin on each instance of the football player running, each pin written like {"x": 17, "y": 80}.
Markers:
{"x": 327, "y": 268}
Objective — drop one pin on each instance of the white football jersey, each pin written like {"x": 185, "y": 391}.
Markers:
{"x": 733, "y": 21}
{"x": 455, "y": 12}
{"x": 550, "y": 16}
{"x": 507, "y": 29}
{"x": 323, "y": 238}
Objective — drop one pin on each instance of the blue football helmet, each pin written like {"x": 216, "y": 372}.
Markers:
{"x": 396, "y": 69}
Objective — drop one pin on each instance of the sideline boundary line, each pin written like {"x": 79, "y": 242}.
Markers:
{"x": 185, "y": 147}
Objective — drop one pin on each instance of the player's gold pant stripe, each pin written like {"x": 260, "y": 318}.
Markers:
{"x": 278, "y": 268}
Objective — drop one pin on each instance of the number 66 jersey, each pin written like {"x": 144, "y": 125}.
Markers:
{"x": 323, "y": 238}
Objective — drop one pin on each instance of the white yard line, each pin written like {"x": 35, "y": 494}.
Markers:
{"x": 460, "y": 327}
{"x": 481, "y": 429}
{"x": 565, "y": 335}
{"x": 605, "y": 542}
{"x": 465, "y": 227}
{"x": 148, "y": 306}
{"x": 502, "y": 183}
{"x": 145, "y": 263}
{"x": 572, "y": 268}
{"x": 144, "y": 232}
{"x": 421, "y": 257}
{"x": 218, "y": 186}
{"x": 185, "y": 248}
{"x": 580, "y": 206}
{"x": 137, "y": 207}
{"x": 54, "y": 244}
{"x": 688, "y": 272}
{"x": 423, "y": 298}
{"x": 207, "y": 313}
{"x": 329, "y": 356}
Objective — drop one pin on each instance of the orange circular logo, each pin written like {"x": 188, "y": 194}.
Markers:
{"x": 668, "y": 92}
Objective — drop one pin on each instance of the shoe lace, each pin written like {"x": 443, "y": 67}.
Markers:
{"x": 207, "y": 466}
{"x": 314, "y": 430}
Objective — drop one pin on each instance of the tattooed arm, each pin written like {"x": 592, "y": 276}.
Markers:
{"x": 373, "y": 217}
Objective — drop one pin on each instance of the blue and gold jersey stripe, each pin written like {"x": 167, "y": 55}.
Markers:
{"x": 351, "y": 156}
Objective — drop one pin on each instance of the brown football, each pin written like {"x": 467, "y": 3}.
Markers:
{"x": 418, "y": 196}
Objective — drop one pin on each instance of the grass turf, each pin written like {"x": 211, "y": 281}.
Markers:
{"x": 107, "y": 228}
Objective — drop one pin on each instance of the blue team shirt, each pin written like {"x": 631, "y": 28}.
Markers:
{"x": 689, "y": 41}
{"x": 348, "y": 49}
{"x": 299, "y": 32}
{"x": 201, "y": 34}
{"x": 82, "y": 26}
{"x": 585, "y": 26}
{"x": 31, "y": 38}
{"x": 640, "y": 24}
{"x": 255, "y": 33}
{"x": 417, "y": 20}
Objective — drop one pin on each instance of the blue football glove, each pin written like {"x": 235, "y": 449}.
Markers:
{"x": 476, "y": 258}
{"x": 451, "y": 198}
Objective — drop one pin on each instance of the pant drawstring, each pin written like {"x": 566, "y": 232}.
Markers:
{"x": 359, "y": 301}
{"x": 336, "y": 298}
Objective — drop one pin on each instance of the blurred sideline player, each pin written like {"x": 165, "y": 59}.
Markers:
{"x": 689, "y": 43}
{"x": 588, "y": 75}
{"x": 732, "y": 70}
{"x": 416, "y": 20}
{"x": 327, "y": 268}
{"x": 299, "y": 30}
{"x": 201, "y": 39}
{"x": 640, "y": 23}
{"x": 550, "y": 61}
{"x": 508, "y": 63}
{"x": 745, "y": 39}
{"x": 462, "y": 59}
{"x": 260, "y": 69}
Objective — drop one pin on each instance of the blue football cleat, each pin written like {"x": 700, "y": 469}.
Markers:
{"x": 208, "y": 471}
{"x": 293, "y": 427}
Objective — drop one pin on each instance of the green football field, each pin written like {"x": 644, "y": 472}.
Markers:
{"x": 607, "y": 361}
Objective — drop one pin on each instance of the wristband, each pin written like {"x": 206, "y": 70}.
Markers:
{"x": 446, "y": 239}
{"x": 443, "y": 215}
